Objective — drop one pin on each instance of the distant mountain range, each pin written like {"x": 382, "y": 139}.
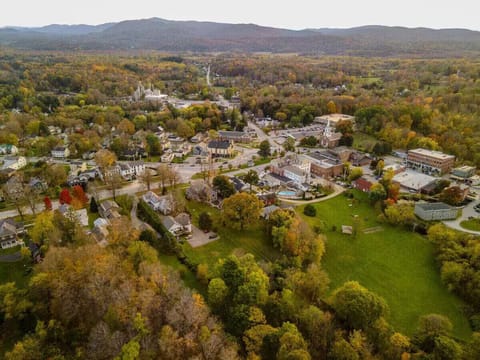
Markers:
{"x": 167, "y": 35}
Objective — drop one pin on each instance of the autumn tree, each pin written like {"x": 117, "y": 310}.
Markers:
{"x": 47, "y": 202}
{"x": 105, "y": 159}
{"x": 241, "y": 210}
{"x": 357, "y": 306}
{"x": 79, "y": 199}
{"x": 452, "y": 195}
{"x": 65, "y": 197}
{"x": 44, "y": 231}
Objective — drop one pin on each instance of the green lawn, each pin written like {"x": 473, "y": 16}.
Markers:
{"x": 394, "y": 263}
{"x": 362, "y": 141}
{"x": 472, "y": 224}
{"x": 254, "y": 240}
{"x": 13, "y": 272}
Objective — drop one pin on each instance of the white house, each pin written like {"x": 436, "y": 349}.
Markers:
{"x": 60, "y": 152}
{"x": 131, "y": 169}
{"x": 172, "y": 226}
{"x": 167, "y": 157}
{"x": 9, "y": 231}
{"x": 14, "y": 162}
{"x": 162, "y": 204}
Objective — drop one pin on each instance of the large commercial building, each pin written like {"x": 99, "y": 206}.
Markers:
{"x": 429, "y": 161}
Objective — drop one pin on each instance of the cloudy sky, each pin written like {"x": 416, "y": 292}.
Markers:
{"x": 296, "y": 14}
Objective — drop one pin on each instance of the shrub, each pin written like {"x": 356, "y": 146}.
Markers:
{"x": 310, "y": 210}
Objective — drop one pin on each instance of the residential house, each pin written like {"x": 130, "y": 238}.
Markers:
{"x": 199, "y": 150}
{"x": 362, "y": 184}
{"x": 80, "y": 215}
{"x": 201, "y": 191}
{"x": 184, "y": 220}
{"x": 9, "y": 233}
{"x": 172, "y": 226}
{"x": 167, "y": 157}
{"x": 197, "y": 138}
{"x": 8, "y": 149}
{"x": 135, "y": 153}
{"x": 267, "y": 198}
{"x": 132, "y": 169}
{"x": 221, "y": 148}
{"x": 182, "y": 150}
{"x": 163, "y": 204}
{"x": 268, "y": 210}
{"x": 176, "y": 142}
{"x": 109, "y": 210}
{"x": 435, "y": 211}
{"x": 360, "y": 159}
{"x": 100, "y": 231}
{"x": 60, "y": 152}
{"x": 14, "y": 162}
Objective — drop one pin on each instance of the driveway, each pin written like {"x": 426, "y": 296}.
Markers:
{"x": 467, "y": 211}
{"x": 199, "y": 238}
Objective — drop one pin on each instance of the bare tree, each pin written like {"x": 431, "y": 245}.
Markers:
{"x": 114, "y": 181}
{"x": 173, "y": 177}
{"x": 163, "y": 172}
{"x": 14, "y": 193}
{"x": 146, "y": 178}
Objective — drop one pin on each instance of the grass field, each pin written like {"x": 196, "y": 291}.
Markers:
{"x": 13, "y": 272}
{"x": 362, "y": 141}
{"x": 472, "y": 224}
{"x": 238, "y": 242}
{"x": 394, "y": 263}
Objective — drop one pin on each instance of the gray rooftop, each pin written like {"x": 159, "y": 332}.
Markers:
{"x": 433, "y": 206}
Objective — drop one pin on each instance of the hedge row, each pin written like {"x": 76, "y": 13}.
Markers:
{"x": 166, "y": 242}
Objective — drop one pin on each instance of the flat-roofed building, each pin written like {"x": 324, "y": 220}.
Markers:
{"x": 463, "y": 172}
{"x": 412, "y": 180}
{"x": 435, "y": 211}
{"x": 325, "y": 164}
{"x": 430, "y": 161}
{"x": 235, "y": 136}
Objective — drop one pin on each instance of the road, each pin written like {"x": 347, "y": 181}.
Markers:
{"x": 468, "y": 211}
{"x": 262, "y": 136}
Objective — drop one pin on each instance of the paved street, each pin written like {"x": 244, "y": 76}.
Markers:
{"x": 467, "y": 212}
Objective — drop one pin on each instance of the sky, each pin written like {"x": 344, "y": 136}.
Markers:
{"x": 296, "y": 14}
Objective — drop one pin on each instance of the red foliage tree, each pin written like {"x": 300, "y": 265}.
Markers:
{"x": 65, "y": 197}
{"x": 79, "y": 194}
{"x": 48, "y": 203}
